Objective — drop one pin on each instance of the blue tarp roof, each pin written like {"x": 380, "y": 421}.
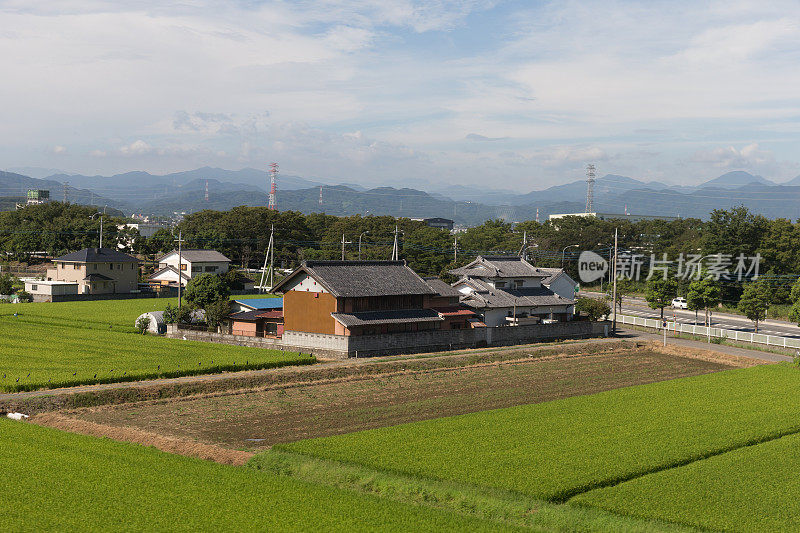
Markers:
{"x": 262, "y": 303}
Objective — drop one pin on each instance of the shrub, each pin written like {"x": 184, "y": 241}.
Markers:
{"x": 170, "y": 314}
{"x": 592, "y": 308}
{"x": 142, "y": 324}
{"x": 183, "y": 315}
{"x": 24, "y": 296}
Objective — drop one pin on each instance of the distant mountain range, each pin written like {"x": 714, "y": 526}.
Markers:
{"x": 141, "y": 192}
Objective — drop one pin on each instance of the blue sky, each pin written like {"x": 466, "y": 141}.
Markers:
{"x": 519, "y": 95}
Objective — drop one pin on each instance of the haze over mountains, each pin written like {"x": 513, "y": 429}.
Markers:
{"x": 141, "y": 192}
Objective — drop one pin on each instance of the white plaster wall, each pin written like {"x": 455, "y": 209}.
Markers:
{"x": 304, "y": 283}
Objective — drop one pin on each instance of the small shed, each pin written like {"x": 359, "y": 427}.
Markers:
{"x": 157, "y": 324}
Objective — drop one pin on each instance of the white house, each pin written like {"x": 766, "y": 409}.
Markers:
{"x": 560, "y": 282}
{"x": 509, "y": 291}
{"x": 192, "y": 263}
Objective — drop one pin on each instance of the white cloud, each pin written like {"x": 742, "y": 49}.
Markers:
{"x": 749, "y": 156}
{"x": 138, "y": 147}
{"x": 58, "y": 149}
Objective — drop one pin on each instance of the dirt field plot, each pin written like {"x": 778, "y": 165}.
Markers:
{"x": 256, "y": 420}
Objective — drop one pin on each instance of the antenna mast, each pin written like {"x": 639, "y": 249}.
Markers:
{"x": 273, "y": 173}
{"x": 590, "y": 188}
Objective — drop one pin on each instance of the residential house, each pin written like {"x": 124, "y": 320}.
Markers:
{"x": 560, "y": 282}
{"x": 257, "y": 317}
{"x": 509, "y": 291}
{"x": 97, "y": 271}
{"x": 192, "y": 263}
{"x": 446, "y": 303}
{"x": 353, "y": 298}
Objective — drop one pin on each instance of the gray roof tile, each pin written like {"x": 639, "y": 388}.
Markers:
{"x": 400, "y": 316}
{"x": 499, "y": 267}
{"x": 362, "y": 278}
{"x": 97, "y": 255}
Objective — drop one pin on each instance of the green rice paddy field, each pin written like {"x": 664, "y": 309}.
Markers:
{"x": 718, "y": 451}
{"x": 57, "y": 481}
{"x": 74, "y": 343}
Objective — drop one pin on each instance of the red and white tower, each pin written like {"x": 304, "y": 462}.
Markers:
{"x": 273, "y": 173}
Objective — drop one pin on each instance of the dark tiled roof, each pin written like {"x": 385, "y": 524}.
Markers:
{"x": 499, "y": 267}
{"x": 362, "y": 278}
{"x": 97, "y": 255}
{"x": 97, "y": 277}
{"x": 199, "y": 256}
{"x": 441, "y": 287}
{"x": 245, "y": 315}
{"x": 487, "y": 297}
{"x": 400, "y": 316}
{"x": 552, "y": 274}
{"x": 278, "y": 313}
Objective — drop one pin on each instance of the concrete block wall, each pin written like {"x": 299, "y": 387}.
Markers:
{"x": 340, "y": 346}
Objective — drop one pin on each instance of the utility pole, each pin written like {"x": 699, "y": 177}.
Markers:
{"x": 180, "y": 265}
{"x": 101, "y": 231}
{"x": 270, "y": 252}
{"x": 524, "y": 245}
{"x": 395, "y": 248}
{"x": 455, "y": 247}
{"x": 614, "y": 274}
{"x": 342, "y": 246}
{"x": 359, "y": 243}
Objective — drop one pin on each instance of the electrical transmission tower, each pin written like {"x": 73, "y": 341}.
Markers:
{"x": 320, "y": 195}
{"x": 273, "y": 173}
{"x": 590, "y": 188}
{"x": 206, "y": 190}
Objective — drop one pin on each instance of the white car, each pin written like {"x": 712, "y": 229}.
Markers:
{"x": 679, "y": 303}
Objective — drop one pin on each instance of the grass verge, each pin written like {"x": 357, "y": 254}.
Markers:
{"x": 495, "y": 505}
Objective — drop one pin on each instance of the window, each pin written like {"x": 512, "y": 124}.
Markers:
{"x": 499, "y": 284}
{"x": 76, "y": 266}
{"x": 519, "y": 282}
{"x": 34, "y": 287}
{"x": 95, "y": 266}
{"x": 211, "y": 268}
{"x": 119, "y": 266}
{"x": 183, "y": 266}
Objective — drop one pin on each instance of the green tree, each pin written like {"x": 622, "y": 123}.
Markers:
{"x": 592, "y": 308}
{"x": 624, "y": 289}
{"x": 704, "y": 294}
{"x": 7, "y": 283}
{"x": 794, "y": 312}
{"x": 217, "y": 312}
{"x": 659, "y": 293}
{"x": 755, "y": 301}
{"x": 206, "y": 289}
{"x": 142, "y": 324}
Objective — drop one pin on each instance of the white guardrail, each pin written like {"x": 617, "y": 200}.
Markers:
{"x": 703, "y": 331}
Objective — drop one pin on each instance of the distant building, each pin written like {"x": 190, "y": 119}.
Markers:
{"x": 97, "y": 271}
{"x": 38, "y": 196}
{"x": 145, "y": 229}
{"x": 192, "y": 263}
{"x": 436, "y": 222}
{"x": 614, "y": 216}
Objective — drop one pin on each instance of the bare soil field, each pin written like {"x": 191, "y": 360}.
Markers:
{"x": 255, "y": 420}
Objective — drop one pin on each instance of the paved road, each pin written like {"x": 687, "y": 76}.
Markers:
{"x": 638, "y": 307}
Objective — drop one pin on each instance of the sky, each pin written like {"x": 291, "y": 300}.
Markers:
{"x": 509, "y": 95}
